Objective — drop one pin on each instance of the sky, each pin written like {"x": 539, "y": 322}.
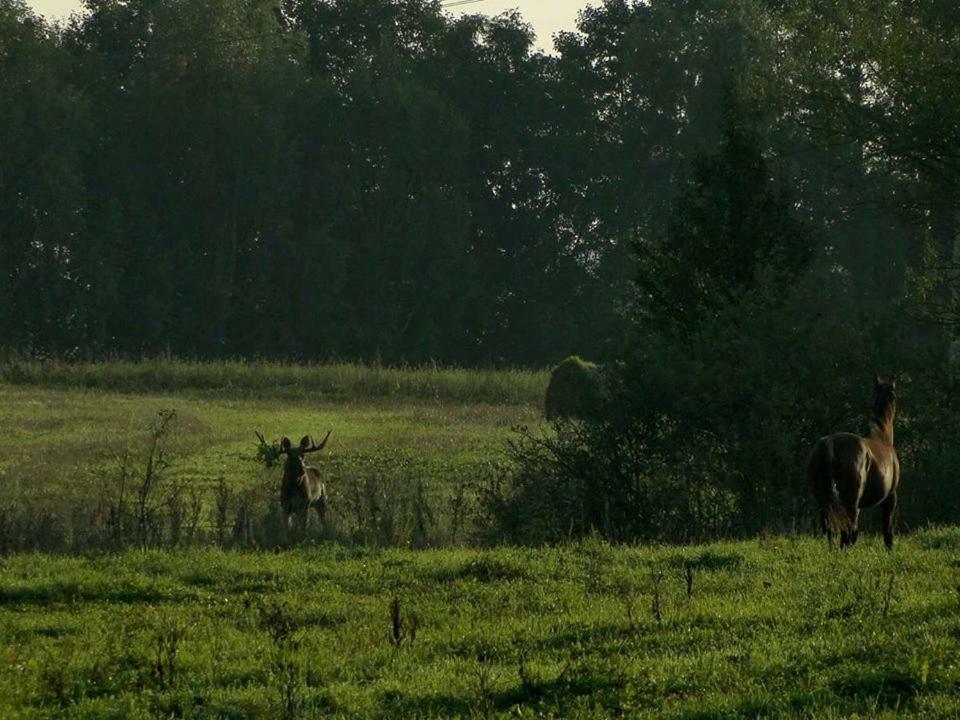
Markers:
{"x": 546, "y": 16}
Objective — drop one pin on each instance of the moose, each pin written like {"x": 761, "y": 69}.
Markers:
{"x": 849, "y": 472}
{"x": 301, "y": 487}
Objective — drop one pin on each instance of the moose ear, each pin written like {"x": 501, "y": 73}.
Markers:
{"x": 305, "y": 441}
{"x": 285, "y": 444}
{"x": 876, "y": 380}
{"x": 893, "y": 384}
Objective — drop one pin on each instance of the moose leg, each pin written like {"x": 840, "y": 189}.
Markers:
{"x": 321, "y": 508}
{"x": 302, "y": 517}
{"x": 888, "y": 507}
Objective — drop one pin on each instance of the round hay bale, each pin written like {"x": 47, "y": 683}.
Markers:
{"x": 575, "y": 390}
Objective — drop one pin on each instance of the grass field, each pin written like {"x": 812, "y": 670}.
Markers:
{"x": 412, "y": 442}
{"x": 354, "y": 623}
{"x": 776, "y": 627}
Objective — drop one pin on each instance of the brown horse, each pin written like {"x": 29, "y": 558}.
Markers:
{"x": 301, "y": 487}
{"x": 849, "y": 472}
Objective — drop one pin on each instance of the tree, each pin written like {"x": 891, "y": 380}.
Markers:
{"x": 41, "y": 206}
{"x": 732, "y": 226}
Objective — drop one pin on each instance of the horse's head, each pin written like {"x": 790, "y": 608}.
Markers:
{"x": 884, "y": 398}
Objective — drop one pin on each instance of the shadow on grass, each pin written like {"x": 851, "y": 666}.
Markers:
{"x": 688, "y": 634}
{"x": 708, "y": 561}
{"x": 886, "y": 690}
{"x": 484, "y": 569}
{"x": 868, "y": 694}
{"x": 55, "y": 594}
{"x": 550, "y": 697}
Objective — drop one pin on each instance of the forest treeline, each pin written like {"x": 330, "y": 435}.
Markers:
{"x": 375, "y": 179}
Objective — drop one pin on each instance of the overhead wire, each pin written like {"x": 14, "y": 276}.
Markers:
{"x": 457, "y": 3}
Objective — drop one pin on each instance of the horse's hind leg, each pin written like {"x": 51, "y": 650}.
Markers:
{"x": 888, "y": 507}
{"x": 850, "y": 490}
{"x": 849, "y": 537}
{"x": 825, "y": 526}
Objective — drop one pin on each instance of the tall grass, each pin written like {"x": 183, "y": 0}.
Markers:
{"x": 512, "y": 386}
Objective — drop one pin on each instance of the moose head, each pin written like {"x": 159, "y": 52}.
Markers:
{"x": 294, "y": 467}
{"x": 301, "y": 487}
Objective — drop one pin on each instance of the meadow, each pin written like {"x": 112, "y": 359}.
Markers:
{"x": 775, "y": 627}
{"x": 409, "y": 450}
{"x": 170, "y": 602}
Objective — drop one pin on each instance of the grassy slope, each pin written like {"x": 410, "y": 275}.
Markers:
{"x": 773, "y": 628}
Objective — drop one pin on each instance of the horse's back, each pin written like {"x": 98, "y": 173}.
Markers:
{"x": 837, "y": 449}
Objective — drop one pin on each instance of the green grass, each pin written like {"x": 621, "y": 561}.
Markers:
{"x": 778, "y": 627}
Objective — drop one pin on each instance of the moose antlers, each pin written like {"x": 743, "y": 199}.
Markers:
{"x": 270, "y": 453}
{"x": 313, "y": 445}
{"x": 267, "y": 452}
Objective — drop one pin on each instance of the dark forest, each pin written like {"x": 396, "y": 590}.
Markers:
{"x": 373, "y": 180}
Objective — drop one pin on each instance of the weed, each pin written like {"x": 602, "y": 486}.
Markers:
{"x": 166, "y": 648}
{"x": 156, "y": 464}
{"x": 888, "y": 596}
{"x": 656, "y": 578}
{"x": 402, "y": 628}
{"x": 222, "y": 506}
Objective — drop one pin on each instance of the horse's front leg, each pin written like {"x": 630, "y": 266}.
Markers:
{"x": 889, "y": 506}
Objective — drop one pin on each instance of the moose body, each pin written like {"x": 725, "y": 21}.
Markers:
{"x": 849, "y": 472}
{"x": 301, "y": 487}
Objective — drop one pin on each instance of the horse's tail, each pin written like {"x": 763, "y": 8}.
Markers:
{"x": 823, "y": 479}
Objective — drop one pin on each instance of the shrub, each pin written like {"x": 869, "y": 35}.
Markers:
{"x": 575, "y": 390}
{"x": 706, "y": 433}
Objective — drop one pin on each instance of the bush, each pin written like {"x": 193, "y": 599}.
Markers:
{"x": 707, "y": 433}
{"x": 592, "y": 478}
{"x": 575, "y": 390}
